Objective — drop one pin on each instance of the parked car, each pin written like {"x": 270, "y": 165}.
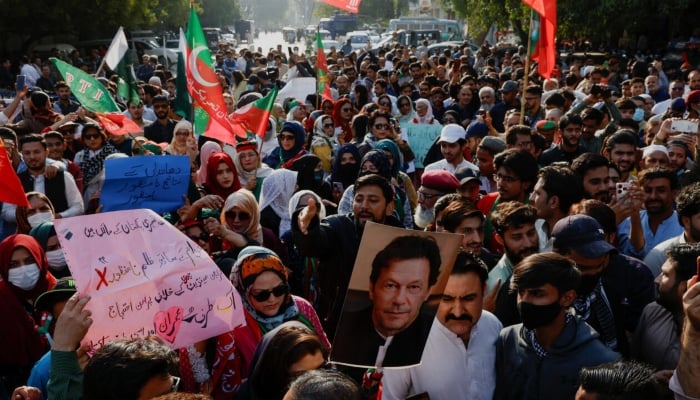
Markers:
{"x": 358, "y": 40}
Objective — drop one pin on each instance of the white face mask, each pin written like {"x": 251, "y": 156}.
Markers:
{"x": 56, "y": 258}
{"x": 24, "y": 277}
{"x": 38, "y": 218}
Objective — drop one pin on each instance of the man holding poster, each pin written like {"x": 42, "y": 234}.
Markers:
{"x": 392, "y": 331}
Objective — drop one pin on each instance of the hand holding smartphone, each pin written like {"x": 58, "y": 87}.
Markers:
{"x": 21, "y": 83}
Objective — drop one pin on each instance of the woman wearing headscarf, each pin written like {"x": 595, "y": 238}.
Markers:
{"x": 251, "y": 169}
{"x": 283, "y": 354}
{"x": 262, "y": 281}
{"x": 277, "y": 189}
{"x": 324, "y": 144}
{"x": 91, "y": 159}
{"x": 184, "y": 142}
{"x": 292, "y": 139}
{"x": 40, "y": 210}
{"x": 342, "y": 115}
{"x": 304, "y": 269}
{"x": 406, "y": 112}
{"x": 222, "y": 176}
{"x": 208, "y": 148}
{"x": 45, "y": 235}
{"x": 403, "y": 181}
{"x": 25, "y": 275}
{"x": 310, "y": 176}
{"x": 424, "y": 113}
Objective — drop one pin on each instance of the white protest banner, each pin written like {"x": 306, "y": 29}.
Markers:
{"x": 145, "y": 277}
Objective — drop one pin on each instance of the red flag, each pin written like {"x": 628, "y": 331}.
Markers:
{"x": 253, "y": 117}
{"x": 203, "y": 85}
{"x": 545, "y": 49}
{"x": 118, "y": 124}
{"x": 352, "y": 6}
{"x": 11, "y": 190}
{"x": 323, "y": 86}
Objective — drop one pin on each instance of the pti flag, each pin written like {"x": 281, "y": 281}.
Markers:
{"x": 11, "y": 190}
{"x": 322, "y": 83}
{"x": 352, "y": 6}
{"x": 182, "y": 104}
{"x": 91, "y": 94}
{"x": 254, "y": 117}
{"x": 543, "y": 35}
{"x": 210, "y": 115}
{"x": 117, "y": 123}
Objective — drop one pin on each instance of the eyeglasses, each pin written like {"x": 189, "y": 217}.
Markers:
{"x": 175, "y": 385}
{"x": 404, "y": 105}
{"x": 450, "y": 121}
{"x": 241, "y": 215}
{"x": 327, "y": 126}
{"x": 381, "y": 126}
{"x": 93, "y": 136}
{"x": 286, "y": 137}
{"x": 427, "y": 196}
{"x": 346, "y": 109}
{"x": 263, "y": 295}
{"x": 182, "y": 133}
{"x": 677, "y": 89}
{"x": 385, "y": 103}
{"x": 504, "y": 178}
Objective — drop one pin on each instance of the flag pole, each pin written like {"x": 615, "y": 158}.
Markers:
{"x": 527, "y": 70}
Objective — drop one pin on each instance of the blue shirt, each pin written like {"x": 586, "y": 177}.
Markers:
{"x": 667, "y": 229}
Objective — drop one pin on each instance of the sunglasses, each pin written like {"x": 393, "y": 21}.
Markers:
{"x": 327, "y": 125}
{"x": 93, "y": 136}
{"x": 450, "y": 121}
{"x": 263, "y": 295}
{"x": 202, "y": 236}
{"x": 404, "y": 105}
{"x": 346, "y": 109}
{"x": 381, "y": 126}
{"x": 286, "y": 137}
{"x": 385, "y": 104}
{"x": 241, "y": 216}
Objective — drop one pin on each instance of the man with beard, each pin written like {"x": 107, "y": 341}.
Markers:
{"x": 593, "y": 170}
{"x": 657, "y": 338}
{"x": 568, "y": 149}
{"x": 64, "y": 104}
{"x": 516, "y": 173}
{"x": 614, "y": 287}
{"x": 61, "y": 189}
{"x": 161, "y": 131}
{"x": 452, "y": 142}
{"x": 541, "y": 358}
{"x": 621, "y": 150}
{"x": 514, "y": 224}
{"x": 336, "y": 240}
{"x": 434, "y": 184}
{"x": 688, "y": 210}
{"x": 459, "y": 357}
{"x": 658, "y": 221}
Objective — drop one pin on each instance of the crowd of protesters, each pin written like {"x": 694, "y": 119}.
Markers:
{"x": 577, "y": 197}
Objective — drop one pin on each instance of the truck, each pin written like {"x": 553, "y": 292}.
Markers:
{"x": 245, "y": 30}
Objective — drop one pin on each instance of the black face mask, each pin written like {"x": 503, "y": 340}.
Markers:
{"x": 588, "y": 283}
{"x": 349, "y": 170}
{"x": 535, "y": 316}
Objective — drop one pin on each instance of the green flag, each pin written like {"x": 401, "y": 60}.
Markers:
{"x": 91, "y": 94}
{"x": 127, "y": 88}
{"x": 183, "y": 104}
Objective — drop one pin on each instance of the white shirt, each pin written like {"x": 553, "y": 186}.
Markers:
{"x": 73, "y": 196}
{"x": 443, "y": 164}
{"x": 448, "y": 369}
{"x": 31, "y": 74}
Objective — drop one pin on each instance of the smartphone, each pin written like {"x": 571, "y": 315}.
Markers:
{"x": 338, "y": 186}
{"x": 622, "y": 188}
{"x": 685, "y": 126}
{"x": 21, "y": 82}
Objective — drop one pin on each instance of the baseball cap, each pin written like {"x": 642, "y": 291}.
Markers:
{"x": 451, "y": 133}
{"x": 509, "y": 86}
{"x": 477, "y": 129}
{"x": 466, "y": 175}
{"x": 440, "y": 179}
{"x": 493, "y": 144}
{"x": 582, "y": 234}
{"x": 63, "y": 290}
{"x": 678, "y": 105}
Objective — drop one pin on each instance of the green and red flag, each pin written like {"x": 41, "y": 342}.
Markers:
{"x": 543, "y": 34}
{"x": 11, "y": 190}
{"x": 323, "y": 87}
{"x": 254, "y": 117}
{"x": 91, "y": 94}
{"x": 210, "y": 116}
{"x": 182, "y": 104}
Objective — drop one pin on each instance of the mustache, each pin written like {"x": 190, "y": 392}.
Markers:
{"x": 463, "y": 317}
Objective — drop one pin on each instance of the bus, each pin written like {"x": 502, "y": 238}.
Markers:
{"x": 449, "y": 29}
{"x": 339, "y": 24}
